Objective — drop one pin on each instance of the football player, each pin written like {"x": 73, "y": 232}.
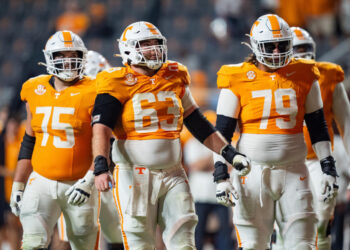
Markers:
{"x": 336, "y": 107}
{"x": 52, "y": 174}
{"x": 269, "y": 96}
{"x": 145, "y": 105}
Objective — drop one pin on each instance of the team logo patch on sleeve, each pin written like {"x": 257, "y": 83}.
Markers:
{"x": 40, "y": 89}
{"x": 251, "y": 75}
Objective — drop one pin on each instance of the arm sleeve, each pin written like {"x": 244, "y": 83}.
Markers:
{"x": 198, "y": 125}
{"x": 106, "y": 110}
{"x": 313, "y": 99}
{"x": 341, "y": 110}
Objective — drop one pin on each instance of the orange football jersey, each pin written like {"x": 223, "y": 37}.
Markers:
{"x": 62, "y": 125}
{"x": 152, "y": 107}
{"x": 330, "y": 75}
{"x": 271, "y": 103}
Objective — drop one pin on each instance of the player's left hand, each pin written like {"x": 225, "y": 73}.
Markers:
{"x": 329, "y": 188}
{"x": 80, "y": 192}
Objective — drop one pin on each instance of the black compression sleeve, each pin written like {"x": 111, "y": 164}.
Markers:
{"x": 199, "y": 126}
{"x": 106, "y": 110}
{"x": 27, "y": 147}
{"x": 317, "y": 126}
{"x": 226, "y": 126}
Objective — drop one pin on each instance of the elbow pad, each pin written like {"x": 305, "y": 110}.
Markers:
{"x": 106, "y": 110}
{"x": 226, "y": 126}
{"x": 199, "y": 126}
{"x": 27, "y": 147}
{"x": 317, "y": 126}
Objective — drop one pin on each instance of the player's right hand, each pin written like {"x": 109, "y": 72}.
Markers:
{"x": 16, "y": 197}
{"x": 241, "y": 163}
{"x": 225, "y": 193}
{"x": 104, "y": 182}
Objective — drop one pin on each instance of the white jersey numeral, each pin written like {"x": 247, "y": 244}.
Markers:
{"x": 154, "y": 123}
{"x": 291, "y": 110}
{"x": 56, "y": 125}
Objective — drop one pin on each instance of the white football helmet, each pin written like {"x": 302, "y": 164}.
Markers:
{"x": 67, "y": 69}
{"x": 95, "y": 62}
{"x": 304, "y": 45}
{"x": 130, "y": 48}
{"x": 266, "y": 32}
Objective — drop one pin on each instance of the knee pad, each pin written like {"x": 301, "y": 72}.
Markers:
{"x": 181, "y": 235}
{"x": 324, "y": 243}
{"x": 304, "y": 246}
{"x": 36, "y": 233}
{"x": 33, "y": 242}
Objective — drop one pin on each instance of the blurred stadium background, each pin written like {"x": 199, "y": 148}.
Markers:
{"x": 202, "y": 34}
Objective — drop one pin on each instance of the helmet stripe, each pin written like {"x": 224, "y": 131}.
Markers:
{"x": 275, "y": 26}
{"x": 67, "y": 39}
{"x": 152, "y": 28}
{"x": 256, "y": 23}
{"x": 299, "y": 34}
{"x": 126, "y": 30}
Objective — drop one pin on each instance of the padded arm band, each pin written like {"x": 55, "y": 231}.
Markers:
{"x": 328, "y": 166}
{"x": 27, "y": 147}
{"x": 101, "y": 165}
{"x": 106, "y": 110}
{"x": 226, "y": 126}
{"x": 220, "y": 172}
{"x": 317, "y": 126}
{"x": 198, "y": 125}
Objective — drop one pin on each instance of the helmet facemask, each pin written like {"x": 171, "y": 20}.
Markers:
{"x": 306, "y": 51}
{"x": 265, "y": 55}
{"x": 152, "y": 56}
{"x": 65, "y": 68}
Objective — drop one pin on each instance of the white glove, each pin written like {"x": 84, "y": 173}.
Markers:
{"x": 225, "y": 193}
{"x": 242, "y": 164}
{"x": 239, "y": 161}
{"x": 80, "y": 192}
{"x": 16, "y": 197}
{"x": 329, "y": 188}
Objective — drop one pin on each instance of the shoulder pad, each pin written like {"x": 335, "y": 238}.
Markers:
{"x": 180, "y": 69}
{"x": 32, "y": 83}
{"x": 225, "y": 74}
{"x": 331, "y": 69}
{"x": 306, "y": 67}
{"x": 230, "y": 69}
{"x": 115, "y": 72}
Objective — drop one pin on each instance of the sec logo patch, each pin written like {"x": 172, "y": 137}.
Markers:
{"x": 251, "y": 75}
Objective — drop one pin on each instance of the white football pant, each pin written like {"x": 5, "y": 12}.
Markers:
{"x": 147, "y": 197}
{"x": 43, "y": 202}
